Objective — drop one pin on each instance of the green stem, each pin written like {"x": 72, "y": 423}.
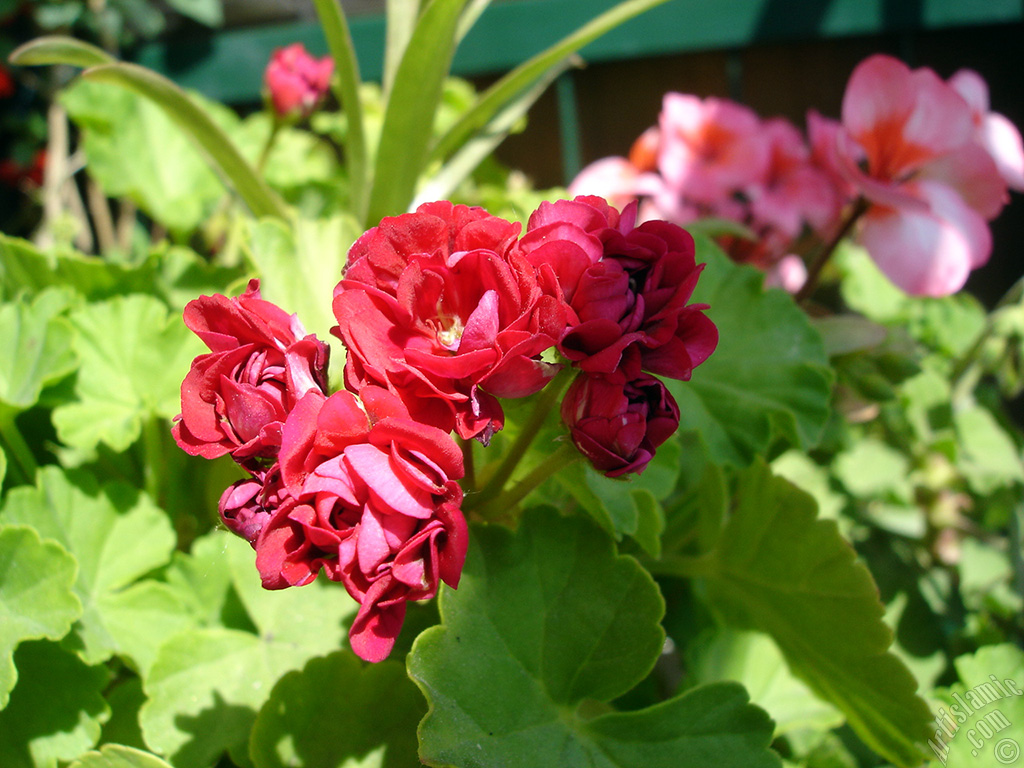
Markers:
{"x": 153, "y": 457}
{"x": 469, "y": 480}
{"x": 508, "y": 500}
{"x": 496, "y": 482}
{"x": 970, "y": 357}
{"x": 822, "y": 258}
{"x": 24, "y": 463}
{"x": 275, "y": 129}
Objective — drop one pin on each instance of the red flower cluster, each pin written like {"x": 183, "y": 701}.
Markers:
{"x": 627, "y": 289}
{"x": 444, "y": 312}
{"x": 358, "y": 489}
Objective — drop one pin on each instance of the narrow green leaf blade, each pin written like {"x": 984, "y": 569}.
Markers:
{"x": 779, "y": 570}
{"x": 412, "y": 105}
{"x": 225, "y": 157}
{"x": 346, "y": 67}
{"x": 36, "y": 597}
{"x": 57, "y": 49}
{"x": 441, "y": 184}
{"x": 495, "y": 98}
{"x": 401, "y": 16}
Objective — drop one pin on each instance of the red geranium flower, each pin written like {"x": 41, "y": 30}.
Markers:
{"x": 628, "y": 287}
{"x": 370, "y": 498}
{"x": 236, "y": 398}
{"x": 439, "y": 307}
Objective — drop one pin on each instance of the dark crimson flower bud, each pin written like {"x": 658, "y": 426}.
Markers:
{"x": 618, "y": 422}
{"x": 296, "y": 81}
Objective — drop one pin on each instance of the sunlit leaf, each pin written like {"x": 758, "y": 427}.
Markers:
{"x": 133, "y": 359}
{"x": 206, "y": 685}
{"x": 36, "y": 597}
{"x": 55, "y": 712}
{"x": 329, "y": 715}
{"x": 117, "y": 536}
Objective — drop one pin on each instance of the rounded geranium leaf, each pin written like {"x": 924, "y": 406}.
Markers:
{"x": 36, "y": 599}
{"x": 550, "y": 616}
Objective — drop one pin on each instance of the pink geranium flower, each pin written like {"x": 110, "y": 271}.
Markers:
{"x": 709, "y": 147}
{"x": 907, "y": 146}
{"x": 999, "y": 137}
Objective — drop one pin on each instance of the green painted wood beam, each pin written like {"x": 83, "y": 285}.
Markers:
{"x": 228, "y": 65}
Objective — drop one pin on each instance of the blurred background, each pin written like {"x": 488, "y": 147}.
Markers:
{"x": 780, "y": 57}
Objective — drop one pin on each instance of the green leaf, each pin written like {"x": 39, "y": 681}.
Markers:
{"x": 35, "y": 347}
{"x": 441, "y": 185}
{"x": 168, "y": 176}
{"x": 133, "y": 359}
{"x": 56, "y": 711}
{"x": 208, "y": 12}
{"x": 57, "y": 49}
{"x": 508, "y": 88}
{"x": 36, "y": 597}
{"x": 411, "y": 108}
{"x": 206, "y": 685}
{"x": 299, "y": 267}
{"x": 328, "y": 715}
{"x": 626, "y": 508}
{"x": 977, "y": 722}
{"x": 989, "y": 458}
{"x": 751, "y": 658}
{"x": 769, "y": 375}
{"x": 198, "y": 125}
{"x": 552, "y": 618}
{"x": 117, "y": 536}
{"x": 119, "y": 756}
{"x": 778, "y": 570}
{"x": 871, "y": 469}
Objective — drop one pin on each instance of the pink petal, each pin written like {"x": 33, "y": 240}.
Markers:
{"x": 373, "y": 466}
{"x": 927, "y": 253}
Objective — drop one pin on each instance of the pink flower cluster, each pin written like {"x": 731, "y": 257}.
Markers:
{"x": 443, "y": 312}
{"x": 920, "y": 162}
